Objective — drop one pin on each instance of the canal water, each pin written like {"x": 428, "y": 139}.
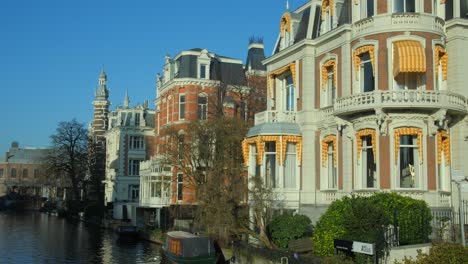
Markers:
{"x": 33, "y": 237}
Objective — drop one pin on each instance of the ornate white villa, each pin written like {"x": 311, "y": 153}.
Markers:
{"x": 364, "y": 96}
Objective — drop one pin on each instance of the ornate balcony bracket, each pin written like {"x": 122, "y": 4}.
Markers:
{"x": 382, "y": 121}
{"x": 342, "y": 124}
{"x": 439, "y": 120}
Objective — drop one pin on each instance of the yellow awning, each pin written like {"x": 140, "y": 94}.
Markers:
{"x": 408, "y": 56}
{"x": 326, "y": 3}
{"x": 329, "y": 63}
{"x": 441, "y": 57}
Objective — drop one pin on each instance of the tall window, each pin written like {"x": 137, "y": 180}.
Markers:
{"x": 290, "y": 93}
{"x": 36, "y": 173}
{"x": 1, "y": 173}
{"x": 270, "y": 164}
{"x": 25, "y": 173}
{"x": 137, "y": 119}
{"x": 368, "y": 163}
{"x": 180, "y": 186}
{"x": 13, "y": 173}
{"x": 404, "y": 6}
{"x": 290, "y": 167}
{"x": 133, "y": 192}
{"x": 202, "y": 107}
{"x": 203, "y": 71}
{"x": 155, "y": 191}
{"x": 134, "y": 167}
{"x": 180, "y": 147}
{"x": 182, "y": 106}
{"x": 448, "y": 10}
{"x": 331, "y": 168}
{"x": 136, "y": 142}
{"x": 367, "y": 73}
{"x": 463, "y": 8}
{"x": 367, "y": 8}
{"x": 408, "y": 161}
{"x": 408, "y": 80}
{"x": 331, "y": 88}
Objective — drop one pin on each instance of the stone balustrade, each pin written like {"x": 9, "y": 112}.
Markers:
{"x": 403, "y": 99}
{"x": 397, "y": 21}
{"x": 275, "y": 117}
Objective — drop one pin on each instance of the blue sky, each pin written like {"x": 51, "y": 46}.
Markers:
{"x": 52, "y": 51}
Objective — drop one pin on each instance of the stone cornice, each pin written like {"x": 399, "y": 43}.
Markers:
{"x": 187, "y": 81}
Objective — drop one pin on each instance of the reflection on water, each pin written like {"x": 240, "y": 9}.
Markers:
{"x": 33, "y": 237}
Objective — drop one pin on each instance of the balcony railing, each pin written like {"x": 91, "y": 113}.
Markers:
{"x": 276, "y": 117}
{"x": 398, "y": 22}
{"x": 403, "y": 99}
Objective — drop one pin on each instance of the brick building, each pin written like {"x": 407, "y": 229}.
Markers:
{"x": 364, "y": 96}
{"x": 188, "y": 91}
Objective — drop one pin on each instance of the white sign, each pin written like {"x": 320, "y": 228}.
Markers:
{"x": 364, "y": 248}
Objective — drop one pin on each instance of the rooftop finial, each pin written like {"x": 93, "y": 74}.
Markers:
{"x": 287, "y": 4}
{"x": 126, "y": 99}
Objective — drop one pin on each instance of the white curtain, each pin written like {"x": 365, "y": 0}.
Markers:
{"x": 290, "y": 167}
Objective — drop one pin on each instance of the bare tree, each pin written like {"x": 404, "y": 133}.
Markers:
{"x": 69, "y": 154}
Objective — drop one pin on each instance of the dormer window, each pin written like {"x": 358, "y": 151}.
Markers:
{"x": 327, "y": 15}
{"x": 203, "y": 71}
{"x": 404, "y": 6}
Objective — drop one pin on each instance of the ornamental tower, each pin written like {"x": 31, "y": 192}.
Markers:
{"x": 101, "y": 110}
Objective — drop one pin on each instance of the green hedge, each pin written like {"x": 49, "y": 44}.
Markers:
{"x": 365, "y": 219}
{"x": 441, "y": 253}
{"x": 288, "y": 227}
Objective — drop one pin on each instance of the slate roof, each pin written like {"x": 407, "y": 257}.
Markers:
{"x": 255, "y": 56}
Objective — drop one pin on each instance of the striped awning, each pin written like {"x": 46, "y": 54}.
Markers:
{"x": 441, "y": 57}
{"x": 408, "y": 56}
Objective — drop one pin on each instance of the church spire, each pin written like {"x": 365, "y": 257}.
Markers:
{"x": 287, "y": 5}
{"x": 126, "y": 99}
{"x": 102, "y": 93}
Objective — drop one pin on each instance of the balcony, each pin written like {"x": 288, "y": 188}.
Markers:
{"x": 401, "y": 99}
{"x": 276, "y": 117}
{"x": 398, "y": 22}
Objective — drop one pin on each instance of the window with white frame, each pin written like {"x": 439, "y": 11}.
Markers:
{"x": 367, "y": 163}
{"x": 137, "y": 119}
{"x": 290, "y": 167}
{"x": 271, "y": 165}
{"x": 332, "y": 174}
{"x": 404, "y": 6}
{"x": 366, "y": 73}
{"x": 367, "y": 8}
{"x": 289, "y": 92}
{"x": 134, "y": 167}
{"x": 182, "y": 106}
{"x": 443, "y": 160}
{"x": 202, "y": 107}
{"x": 136, "y": 143}
{"x": 180, "y": 186}
{"x": 203, "y": 73}
{"x": 331, "y": 87}
{"x": 408, "y": 162}
{"x": 409, "y": 81}
{"x": 133, "y": 192}
{"x": 13, "y": 173}
{"x": 254, "y": 167}
{"x": 327, "y": 20}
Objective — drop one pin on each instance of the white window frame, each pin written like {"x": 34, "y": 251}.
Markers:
{"x": 362, "y": 73}
{"x": 416, "y": 6}
{"x": 133, "y": 189}
{"x": 205, "y": 67}
{"x": 202, "y": 108}
{"x": 363, "y": 169}
{"x": 330, "y": 87}
{"x": 136, "y": 142}
{"x": 271, "y": 181}
{"x": 134, "y": 167}
{"x": 180, "y": 187}
{"x": 363, "y": 9}
{"x": 417, "y": 166}
{"x": 289, "y": 93}
{"x": 290, "y": 155}
{"x": 331, "y": 170}
{"x": 182, "y": 106}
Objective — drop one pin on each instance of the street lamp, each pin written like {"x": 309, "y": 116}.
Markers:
{"x": 458, "y": 179}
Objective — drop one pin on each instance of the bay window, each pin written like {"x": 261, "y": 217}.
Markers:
{"x": 408, "y": 162}
{"x": 404, "y": 6}
{"x": 290, "y": 167}
{"x": 271, "y": 166}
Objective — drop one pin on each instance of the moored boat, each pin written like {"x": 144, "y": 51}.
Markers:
{"x": 127, "y": 231}
{"x": 184, "y": 247}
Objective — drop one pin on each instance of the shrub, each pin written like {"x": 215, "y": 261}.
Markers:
{"x": 287, "y": 227}
{"x": 441, "y": 253}
{"x": 366, "y": 219}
